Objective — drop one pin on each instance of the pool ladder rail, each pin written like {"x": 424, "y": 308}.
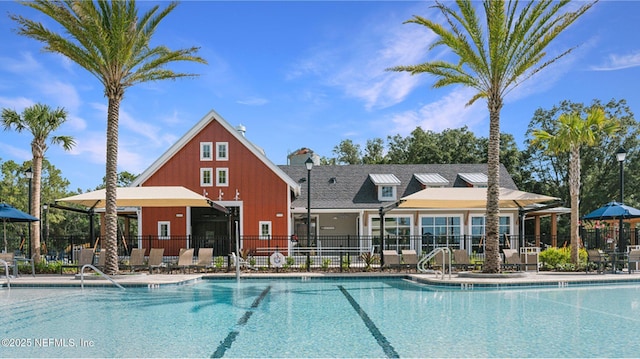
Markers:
{"x": 445, "y": 251}
{"x": 100, "y": 273}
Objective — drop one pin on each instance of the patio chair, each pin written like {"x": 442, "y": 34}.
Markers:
{"x": 136, "y": 259}
{"x": 85, "y": 257}
{"x": 156, "y": 256}
{"x": 598, "y": 258}
{"x": 461, "y": 261}
{"x": 241, "y": 261}
{"x": 205, "y": 259}
{"x": 185, "y": 261}
{"x": 391, "y": 259}
{"x": 410, "y": 258}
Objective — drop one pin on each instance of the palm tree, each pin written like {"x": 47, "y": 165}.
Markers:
{"x": 493, "y": 61}
{"x": 113, "y": 43}
{"x": 41, "y": 121}
{"x": 570, "y": 133}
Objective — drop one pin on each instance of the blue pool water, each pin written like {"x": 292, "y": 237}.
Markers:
{"x": 320, "y": 318}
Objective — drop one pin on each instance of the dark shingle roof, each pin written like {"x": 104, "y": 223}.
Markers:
{"x": 349, "y": 186}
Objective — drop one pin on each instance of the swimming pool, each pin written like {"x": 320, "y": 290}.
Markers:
{"x": 320, "y": 318}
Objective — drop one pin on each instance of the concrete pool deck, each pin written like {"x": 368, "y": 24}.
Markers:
{"x": 456, "y": 280}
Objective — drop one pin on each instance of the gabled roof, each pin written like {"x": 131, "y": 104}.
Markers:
{"x": 351, "y": 187}
{"x": 186, "y": 138}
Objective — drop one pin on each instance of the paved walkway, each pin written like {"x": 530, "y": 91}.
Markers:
{"x": 455, "y": 280}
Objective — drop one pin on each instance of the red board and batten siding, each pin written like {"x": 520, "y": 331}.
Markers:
{"x": 262, "y": 191}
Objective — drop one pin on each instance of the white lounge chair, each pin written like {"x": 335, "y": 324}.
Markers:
{"x": 243, "y": 263}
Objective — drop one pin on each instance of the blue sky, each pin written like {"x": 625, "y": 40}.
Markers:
{"x": 299, "y": 74}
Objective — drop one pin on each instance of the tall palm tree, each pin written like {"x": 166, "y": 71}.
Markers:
{"x": 493, "y": 61}
{"x": 113, "y": 43}
{"x": 41, "y": 121}
{"x": 571, "y": 132}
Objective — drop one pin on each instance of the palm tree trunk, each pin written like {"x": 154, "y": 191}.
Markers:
{"x": 35, "y": 203}
{"x": 574, "y": 193}
{"x": 111, "y": 210}
{"x": 492, "y": 252}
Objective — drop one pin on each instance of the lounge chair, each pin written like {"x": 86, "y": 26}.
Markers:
{"x": 14, "y": 260}
{"x": 136, "y": 259}
{"x": 102, "y": 259}
{"x": 85, "y": 257}
{"x": 633, "y": 257}
{"x": 512, "y": 260}
{"x": 156, "y": 256}
{"x": 391, "y": 259}
{"x": 243, "y": 263}
{"x": 205, "y": 259}
{"x": 461, "y": 261}
{"x": 598, "y": 258}
{"x": 443, "y": 265}
{"x": 410, "y": 258}
{"x": 185, "y": 261}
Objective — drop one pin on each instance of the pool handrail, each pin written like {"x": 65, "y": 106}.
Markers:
{"x": 99, "y": 272}
{"x": 432, "y": 254}
{"x": 6, "y": 271}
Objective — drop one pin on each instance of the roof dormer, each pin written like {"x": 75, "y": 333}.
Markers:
{"x": 387, "y": 186}
{"x": 478, "y": 180}
{"x": 431, "y": 180}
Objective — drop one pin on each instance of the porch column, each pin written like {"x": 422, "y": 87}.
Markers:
{"x": 554, "y": 230}
{"x": 536, "y": 231}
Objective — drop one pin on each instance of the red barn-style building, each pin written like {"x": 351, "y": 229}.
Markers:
{"x": 215, "y": 159}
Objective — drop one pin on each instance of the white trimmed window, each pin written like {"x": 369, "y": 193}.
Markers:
{"x": 222, "y": 177}
{"x": 387, "y": 193}
{"x": 164, "y": 230}
{"x": 206, "y": 177}
{"x": 222, "y": 151}
{"x": 206, "y": 151}
{"x": 265, "y": 229}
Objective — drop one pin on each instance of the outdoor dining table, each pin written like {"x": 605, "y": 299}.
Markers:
{"x": 18, "y": 259}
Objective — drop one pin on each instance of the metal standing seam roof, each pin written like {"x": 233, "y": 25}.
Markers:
{"x": 474, "y": 178}
{"x": 431, "y": 179}
{"x": 384, "y": 179}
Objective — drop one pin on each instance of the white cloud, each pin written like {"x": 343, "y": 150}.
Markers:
{"x": 448, "y": 112}
{"x": 64, "y": 93}
{"x": 18, "y": 153}
{"x": 253, "y": 101}
{"x": 619, "y": 62}
{"x": 18, "y": 103}
{"x": 25, "y": 64}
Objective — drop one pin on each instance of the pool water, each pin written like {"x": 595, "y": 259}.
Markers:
{"x": 320, "y": 318}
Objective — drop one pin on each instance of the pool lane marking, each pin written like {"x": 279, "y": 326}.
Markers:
{"x": 381, "y": 339}
{"x": 231, "y": 337}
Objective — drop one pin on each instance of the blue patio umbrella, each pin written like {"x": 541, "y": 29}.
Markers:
{"x": 613, "y": 210}
{"x": 11, "y": 214}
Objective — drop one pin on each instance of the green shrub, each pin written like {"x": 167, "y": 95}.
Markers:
{"x": 559, "y": 259}
{"x": 326, "y": 263}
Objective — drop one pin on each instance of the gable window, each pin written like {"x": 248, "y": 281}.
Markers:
{"x": 222, "y": 177}
{"x": 206, "y": 178}
{"x": 205, "y": 151}
{"x": 387, "y": 193}
{"x": 222, "y": 151}
{"x": 478, "y": 180}
{"x": 265, "y": 229}
{"x": 164, "y": 230}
